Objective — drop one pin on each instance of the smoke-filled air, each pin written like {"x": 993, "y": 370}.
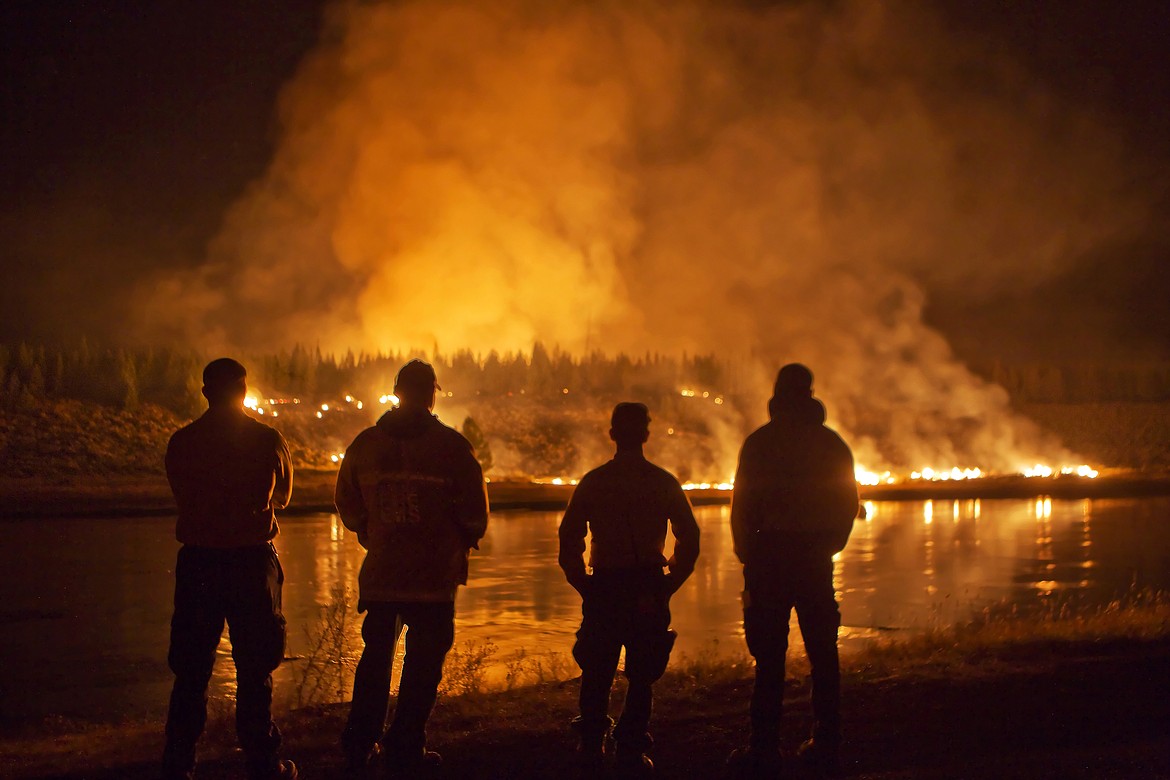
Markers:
{"x": 767, "y": 182}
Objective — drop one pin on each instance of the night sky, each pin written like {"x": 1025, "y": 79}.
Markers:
{"x": 128, "y": 129}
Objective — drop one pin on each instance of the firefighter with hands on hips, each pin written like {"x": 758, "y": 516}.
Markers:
{"x": 626, "y": 504}
{"x": 411, "y": 489}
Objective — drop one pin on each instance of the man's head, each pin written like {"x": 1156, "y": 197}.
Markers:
{"x": 630, "y": 424}
{"x": 794, "y": 381}
{"x": 225, "y": 382}
{"x": 415, "y": 385}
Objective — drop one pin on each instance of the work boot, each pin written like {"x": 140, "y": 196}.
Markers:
{"x": 283, "y": 769}
{"x": 360, "y": 765}
{"x": 177, "y": 763}
{"x": 591, "y": 746}
{"x": 422, "y": 764}
{"x": 591, "y": 754}
{"x": 820, "y": 757}
{"x": 631, "y": 762}
{"x": 753, "y": 763}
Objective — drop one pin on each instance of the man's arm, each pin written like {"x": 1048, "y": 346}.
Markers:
{"x": 348, "y": 499}
{"x": 472, "y": 514}
{"x": 741, "y": 500}
{"x": 686, "y": 538}
{"x": 574, "y": 526}
{"x": 282, "y": 492}
{"x": 843, "y": 496}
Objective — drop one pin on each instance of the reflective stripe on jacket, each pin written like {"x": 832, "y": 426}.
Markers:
{"x": 412, "y": 490}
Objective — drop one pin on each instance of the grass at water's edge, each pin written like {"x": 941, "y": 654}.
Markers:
{"x": 1065, "y": 693}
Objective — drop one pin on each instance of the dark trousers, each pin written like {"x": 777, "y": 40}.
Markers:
{"x": 430, "y": 634}
{"x": 769, "y": 598}
{"x": 241, "y": 586}
{"x": 627, "y": 608}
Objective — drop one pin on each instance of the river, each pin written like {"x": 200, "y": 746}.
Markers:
{"x": 87, "y": 603}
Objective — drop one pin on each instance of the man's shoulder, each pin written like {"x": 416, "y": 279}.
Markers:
{"x": 450, "y": 434}
{"x": 767, "y": 432}
{"x": 594, "y": 476}
{"x": 191, "y": 430}
{"x": 832, "y": 439}
{"x": 620, "y": 468}
{"x": 263, "y": 433}
{"x": 368, "y": 437}
{"x": 662, "y": 475}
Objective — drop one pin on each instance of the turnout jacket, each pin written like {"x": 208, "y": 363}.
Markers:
{"x": 229, "y": 473}
{"x": 795, "y": 492}
{"x": 411, "y": 489}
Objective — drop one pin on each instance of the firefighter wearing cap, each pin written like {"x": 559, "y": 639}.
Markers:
{"x": 411, "y": 489}
{"x": 228, "y": 473}
{"x": 792, "y": 510}
{"x": 626, "y": 504}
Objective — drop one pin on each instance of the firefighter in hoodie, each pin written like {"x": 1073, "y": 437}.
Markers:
{"x": 793, "y": 509}
{"x": 411, "y": 489}
{"x": 626, "y": 504}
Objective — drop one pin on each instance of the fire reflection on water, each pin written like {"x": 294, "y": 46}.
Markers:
{"x": 107, "y": 606}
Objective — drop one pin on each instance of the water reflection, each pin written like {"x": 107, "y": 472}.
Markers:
{"x": 94, "y": 595}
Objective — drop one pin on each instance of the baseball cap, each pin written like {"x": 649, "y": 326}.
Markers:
{"x": 417, "y": 374}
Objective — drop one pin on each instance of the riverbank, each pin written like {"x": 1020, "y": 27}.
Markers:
{"x": 1048, "y": 708}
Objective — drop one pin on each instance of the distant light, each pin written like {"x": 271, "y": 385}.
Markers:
{"x": 349, "y": 399}
{"x": 565, "y": 390}
{"x": 324, "y": 407}
{"x": 319, "y": 415}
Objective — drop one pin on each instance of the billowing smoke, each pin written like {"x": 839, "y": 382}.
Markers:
{"x": 771, "y": 182}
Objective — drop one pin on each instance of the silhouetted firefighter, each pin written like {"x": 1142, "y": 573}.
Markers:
{"x": 412, "y": 490}
{"x": 793, "y": 508}
{"x": 626, "y": 504}
{"x": 228, "y": 473}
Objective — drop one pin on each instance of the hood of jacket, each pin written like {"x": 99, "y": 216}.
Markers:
{"x": 799, "y": 411}
{"x": 407, "y": 423}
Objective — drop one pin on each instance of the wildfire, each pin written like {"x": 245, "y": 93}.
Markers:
{"x": 708, "y": 485}
{"x": 865, "y": 476}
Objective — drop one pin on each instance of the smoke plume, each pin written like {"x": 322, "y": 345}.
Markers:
{"x": 771, "y": 182}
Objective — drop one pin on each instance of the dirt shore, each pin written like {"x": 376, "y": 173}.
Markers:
{"x": 1084, "y": 709}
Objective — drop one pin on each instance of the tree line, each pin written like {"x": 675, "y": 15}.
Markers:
{"x": 125, "y": 378}
{"x": 1083, "y": 383}
{"x": 169, "y": 377}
